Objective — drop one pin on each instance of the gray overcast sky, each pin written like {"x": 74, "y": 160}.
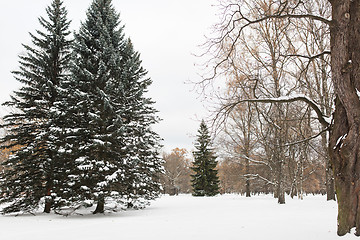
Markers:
{"x": 165, "y": 32}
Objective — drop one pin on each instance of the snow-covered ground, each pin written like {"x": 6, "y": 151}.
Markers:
{"x": 185, "y": 217}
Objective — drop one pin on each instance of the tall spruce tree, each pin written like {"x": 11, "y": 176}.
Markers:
{"x": 105, "y": 116}
{"x": 142, "y": 151}
{"x": 29, "y": 174}
{"x": 205, "y": 181}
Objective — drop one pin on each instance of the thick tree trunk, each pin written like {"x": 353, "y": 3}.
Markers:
{"x": 344, "y": 149}
{"x": 344, "y": 145}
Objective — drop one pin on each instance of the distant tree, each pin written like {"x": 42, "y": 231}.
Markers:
{"x": 29, "y": 173}
{"x": 205, "y": 181}
{"x": 231, "y": 177}
{"x": 176, "y": 176}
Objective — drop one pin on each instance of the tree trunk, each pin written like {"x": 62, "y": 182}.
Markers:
{"x": 280, "y": 160}
{"x": 47, "y": 207}
{"x": 48, "y": 198}
{"x": 344, "y": 145}
{"x": 280, "y": 186}
{"x": 247, "y": 170}
{"x": 301, "y": 180}
{"x": 329, "y": 175}
{"x": 330, "y": 186}
{"x": 293, "y": 191}
{"x": 100, "y": 205}
{"x": 280, "y": 191}
{"x": 248, "y": 194}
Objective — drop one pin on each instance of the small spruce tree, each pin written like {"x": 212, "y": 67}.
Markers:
{"x": 205, "y": 181}
{"x": 30, "y": 173}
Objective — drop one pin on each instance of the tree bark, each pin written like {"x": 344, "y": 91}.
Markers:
{"x": 344, "y": 145}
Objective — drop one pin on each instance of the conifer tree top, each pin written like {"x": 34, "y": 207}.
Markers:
{"x": 203, "y": 137}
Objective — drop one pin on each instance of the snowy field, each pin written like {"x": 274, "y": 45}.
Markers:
{"x": 185, "y": 217}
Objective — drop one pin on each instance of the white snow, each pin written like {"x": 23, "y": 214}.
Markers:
{"x": 80, "y": 159}
{"x": 358, "y": 92}
{"x": 329, "y": 120}
{"x": 98, "y": 141}
{"x": 85, "y": 188}
{"x": 339, "y": 140}
{"x": 184, "y": 217}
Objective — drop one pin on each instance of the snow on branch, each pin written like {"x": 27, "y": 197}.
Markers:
{"x": 257, "y": 176}
{"x": 258, "y": 162}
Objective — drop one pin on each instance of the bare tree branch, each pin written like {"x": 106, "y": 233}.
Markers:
{"x": 309, "y": 57}
{"x": 320, "y": 116}
{"x": 232, "y": 24}
{"x": 253, "y": 176}
{"x": 307, "y": 139}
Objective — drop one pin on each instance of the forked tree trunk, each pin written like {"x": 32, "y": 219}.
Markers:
{"x": 344, "y": 145}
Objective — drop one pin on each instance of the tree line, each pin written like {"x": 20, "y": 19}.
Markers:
{"x": 236, "y": 178}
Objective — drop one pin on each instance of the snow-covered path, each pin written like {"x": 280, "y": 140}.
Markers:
{"x": 185, "y": 217}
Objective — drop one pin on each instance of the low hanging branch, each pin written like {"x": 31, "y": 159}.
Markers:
{"x": 226, "y": 109}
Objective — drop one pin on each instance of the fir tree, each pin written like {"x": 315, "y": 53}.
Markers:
{"x": 106, "y": 118}
{"x": 29, "y": 173}
{"x": 142, "y": 142}
{"x": 205, "y": 181}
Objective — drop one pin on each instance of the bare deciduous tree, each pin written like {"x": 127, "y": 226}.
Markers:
{"x": 344, "y": 128}
{"x": 176, "y": 177}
